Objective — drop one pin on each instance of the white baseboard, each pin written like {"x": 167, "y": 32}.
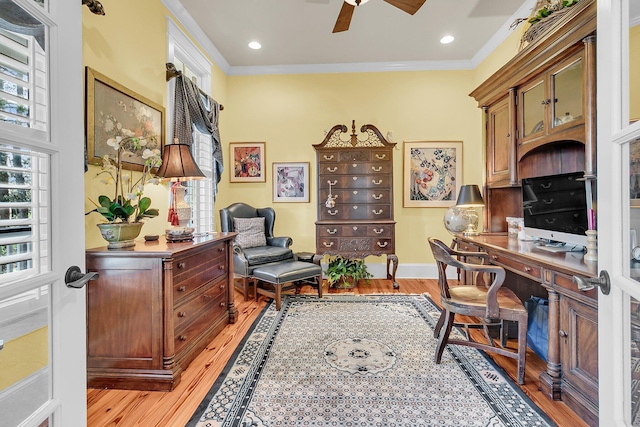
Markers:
{"x": 408, "y": 271}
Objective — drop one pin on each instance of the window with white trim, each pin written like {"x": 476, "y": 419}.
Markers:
{"x": 188, "y": 59}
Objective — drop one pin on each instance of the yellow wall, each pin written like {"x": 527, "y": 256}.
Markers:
{"x": 290, "y": 113}
{"x": 129, "y": 45}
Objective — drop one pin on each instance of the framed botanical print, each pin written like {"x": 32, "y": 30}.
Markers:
{"x": 248, "y": 162}
{"x": 432, "y": 174}
{"x": 291, "y": 182}
{"x": 113, "y": 111}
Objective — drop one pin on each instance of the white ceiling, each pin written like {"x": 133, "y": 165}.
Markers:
{"x": 296, "y": 35}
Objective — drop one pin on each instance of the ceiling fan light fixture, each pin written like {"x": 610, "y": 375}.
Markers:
{"x": 254, "y": 45}
{"x": 355, "y": 2}
{"x": 447, "y": 39}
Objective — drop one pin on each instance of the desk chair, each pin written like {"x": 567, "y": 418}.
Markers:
{"x": 488, "y": 303}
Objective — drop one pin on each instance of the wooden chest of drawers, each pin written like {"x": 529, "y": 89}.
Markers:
{"x": 154, "y": 308}
{"x": 355, "y": 196}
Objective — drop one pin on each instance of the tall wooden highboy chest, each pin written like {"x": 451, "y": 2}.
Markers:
{"x": 355, "y": 196}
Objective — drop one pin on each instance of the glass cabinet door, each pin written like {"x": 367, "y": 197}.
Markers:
{"x": 533, "y": 106}
{"x": 566, "y": 87}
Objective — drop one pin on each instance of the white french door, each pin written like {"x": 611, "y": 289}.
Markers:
{"x": 42, "y": 321}
{"x": 618, "y": 51}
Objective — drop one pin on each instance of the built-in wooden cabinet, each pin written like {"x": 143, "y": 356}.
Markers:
{"x": 154, "y": 308}
{"x": 501, "y": 142}
{"x": 549, "y": 128}
{"x": 551, "y": 104}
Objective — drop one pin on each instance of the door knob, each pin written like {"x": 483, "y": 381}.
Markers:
{"x": 74, "y": 278}
{"x": 586, "y": 284}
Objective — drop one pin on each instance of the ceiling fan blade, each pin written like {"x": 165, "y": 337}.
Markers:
{"x": 409, "y": 6}
{"x": 344, "y": 18}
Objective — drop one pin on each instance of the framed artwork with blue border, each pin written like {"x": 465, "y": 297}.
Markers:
{"x": 432, "y": 174}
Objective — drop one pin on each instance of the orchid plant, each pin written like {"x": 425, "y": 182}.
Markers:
{"x": 128, "y": 203}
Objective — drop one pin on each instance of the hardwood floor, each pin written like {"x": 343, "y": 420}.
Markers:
{"x": 172, "y": 409}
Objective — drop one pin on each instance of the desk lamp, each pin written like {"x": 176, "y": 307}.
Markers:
{"x": 178, "y": 166}
{"x": 469, "y": 199}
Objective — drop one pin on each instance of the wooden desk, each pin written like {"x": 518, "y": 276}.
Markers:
{"x": 572, "y": 366}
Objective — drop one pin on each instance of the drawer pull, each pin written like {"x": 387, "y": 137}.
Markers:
{"x": 378, "y": 231}
{"x": 222, "y": 304}
{"x": 381, "y": 156}
{"x": 181, "y": 265}
{"x": 547, "y": 202}
{"x": 220, "y": 249}
{"x": 332, "y": 170}
{"x": 333, "y": 213}
{"x": 328, "y": 157}
{"x": 355, "y": 228}
{"x": 546, "y": 186}
{"x": 355, "y": 208}
{"x": 562, "y": 334}
{"x": 182, "y": 314}
{"x": 377, "y": 212}
{"x": 355, "y": 192}
{"x": 378, "y": 182}
{"x": 382, "y": 245}
{"x": 376, "y": 169}
{"x": 334, "y": 231}
{"x": 494, "y": 257}
{"x": 221, "y": 267}
{"x": 327, "y": 245}
{"x": 355, "y": 165}
{"x": 182, "y": 288}
{"x": 527, "y": 269}
{"x": 378, "y": 197}
{"x": 183, "y": 337}
{"x": 222, "y": 286}
{"x": 355, "y": 178}
{"x": 332, "y": 182}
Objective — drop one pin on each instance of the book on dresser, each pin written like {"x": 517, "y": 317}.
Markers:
{"x": 355, "y": 196}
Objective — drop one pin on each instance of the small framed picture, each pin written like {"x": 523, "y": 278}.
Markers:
{"x": 432, "y": 173}
{"x": 248, "y": 162}
{"x": 291, "y": 182}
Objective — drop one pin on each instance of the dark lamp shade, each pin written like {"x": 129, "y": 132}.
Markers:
{"x": 178, "y": 164}
{"x": 469, "y": 197}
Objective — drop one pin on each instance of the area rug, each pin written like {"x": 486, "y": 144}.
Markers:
{"x": 359, "y": 361}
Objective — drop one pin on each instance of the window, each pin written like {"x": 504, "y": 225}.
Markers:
{"x": 190, "y": 61}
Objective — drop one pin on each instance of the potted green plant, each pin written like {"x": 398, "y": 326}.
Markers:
{"x": 344, "y": 272}
{"x": 124, "y": 211}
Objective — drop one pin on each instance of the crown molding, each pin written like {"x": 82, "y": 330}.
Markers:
{"x": 184, "y": 18}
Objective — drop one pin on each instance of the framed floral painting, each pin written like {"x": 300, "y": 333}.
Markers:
{"x": 248, "y": 162}
{"x": 432, "y": 173}
{"x": 114, "y": 112}
{"x": 291, "y": 182}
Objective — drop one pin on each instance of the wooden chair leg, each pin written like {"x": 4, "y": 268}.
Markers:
{"x": 522, "y": 348}
{"x": 278, "y": 288}
{"x": 319, "y": 282}
{"x": 438, "y": 328}
{"x": 444, "y": 335}
{"x": 245, "y": 288}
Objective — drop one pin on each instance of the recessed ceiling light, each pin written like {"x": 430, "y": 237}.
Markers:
{"x": 255, "y": 45}
{"x": 446, "y": 39}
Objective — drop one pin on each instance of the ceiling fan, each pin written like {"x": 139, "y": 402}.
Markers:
{"x": 344, "y": 18}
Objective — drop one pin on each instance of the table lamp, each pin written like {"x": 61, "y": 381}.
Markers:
{"x": 469, "y": 199}
{"x": 178, "y": 166}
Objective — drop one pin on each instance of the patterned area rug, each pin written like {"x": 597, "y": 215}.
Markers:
{"x": 359, "y": 361}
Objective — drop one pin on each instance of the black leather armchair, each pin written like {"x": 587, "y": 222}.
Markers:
{"x": 246, "y": 260}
